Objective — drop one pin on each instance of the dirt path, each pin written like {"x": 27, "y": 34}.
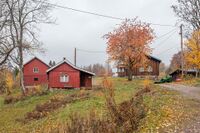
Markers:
{"x": 192, "y": 92}
{"x": 193, "y": 124}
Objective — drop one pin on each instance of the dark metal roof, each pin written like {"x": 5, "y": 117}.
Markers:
{"x": 186, "y": 71}
{"x": 154, "y": 58}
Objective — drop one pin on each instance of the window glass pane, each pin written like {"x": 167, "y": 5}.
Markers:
{"x": 64, "y": 78}
{"x": 141, "y": 69}
{"x": 35, "y": 70}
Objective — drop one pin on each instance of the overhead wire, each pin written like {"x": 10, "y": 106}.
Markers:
{"x": 116, "y": 18}
{"x": 163, "y": 42}
{"x": 163, "y": 52}
{"x": 101, "y": 15}
{"x": 158, "y": 38}
{"x": 90, "y": 51}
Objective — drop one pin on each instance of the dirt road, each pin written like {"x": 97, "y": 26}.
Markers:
{"x": 192, "y": 92}
{"x": 191, "y": 125}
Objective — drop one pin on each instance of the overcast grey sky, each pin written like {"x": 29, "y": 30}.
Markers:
{"x": 84, "y": 31}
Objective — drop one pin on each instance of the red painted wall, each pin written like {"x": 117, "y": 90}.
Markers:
{"x": 54, "y": 77}
{"x": 29, "y": 75}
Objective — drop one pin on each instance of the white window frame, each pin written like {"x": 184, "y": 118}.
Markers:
{"x": 34, "y": 70}
{"x": 141, "y": 69}
{"x": 150, "y": 69}
{"x": 64, "y": 78}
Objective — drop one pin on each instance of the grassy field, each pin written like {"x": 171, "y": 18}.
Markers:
{"x": 165, "y": 108}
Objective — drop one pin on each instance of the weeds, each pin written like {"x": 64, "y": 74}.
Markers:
{"x": 122, "y": 118}
{"x": 36, "y": 91}
{"x": 56, "y": 102}
{"x": 128, "y": 114}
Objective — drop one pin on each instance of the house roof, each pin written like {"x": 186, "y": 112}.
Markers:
{"x": 69, "y": 63}
{"x": 37, "y": 59}
{"x": 154, "y": 58}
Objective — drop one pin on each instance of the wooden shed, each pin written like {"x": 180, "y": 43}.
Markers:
{"x": 177, "y": 74}
{"x": 35, "y": 72}
{"x": 66, "y": 75}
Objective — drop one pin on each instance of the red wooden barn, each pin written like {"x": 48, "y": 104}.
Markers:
{"x": 66, "y": 75}
{"x": 62, "y": 75}
{"x": 35, "y": 72}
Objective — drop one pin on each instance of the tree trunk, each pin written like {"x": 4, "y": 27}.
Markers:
{"x": 21, "y": 68}
{"x": 130, "y": 74}
{"x": 22, "y": 80}
{"x": 197, "y": 73}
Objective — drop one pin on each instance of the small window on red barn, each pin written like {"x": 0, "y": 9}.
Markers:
{"x": 64, "y": 78}
{"x": 35, "y": 70}
{"x": 36, "y": 79}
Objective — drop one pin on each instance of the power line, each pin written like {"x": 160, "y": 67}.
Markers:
{"x": 161, "y": 53}
{"x": 101, "y": 15}
{"x": 82, "y": 11}
{"x": 165, "y": 34}
{"x": 89, "y": 51}
{"x": 161, "y": 43}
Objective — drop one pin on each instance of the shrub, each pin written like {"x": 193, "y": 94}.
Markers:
{"x": 128, "y": 114}
{"x": 2, "y": 83}
{"x": 89, "y": 124}
{"x": 37, "y": 90}
{"x": 13, "y": 99}
{"x": 9, "y": 82}
{"x": 6, "y": 82}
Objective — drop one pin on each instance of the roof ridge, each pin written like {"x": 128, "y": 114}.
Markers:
{"x": 72, "y": 65}
{"x": 35, "y": 57}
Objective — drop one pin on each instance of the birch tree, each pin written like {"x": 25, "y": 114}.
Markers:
{"x": 6, "y": 47}
{"x": 22, "y": 21}
{"x": 189, "y": 12}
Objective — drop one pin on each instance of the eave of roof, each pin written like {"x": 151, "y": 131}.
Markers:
{"x": 37, "y": 59}
{"x": 154, "y": 58}
{"x": 69, "y": 63}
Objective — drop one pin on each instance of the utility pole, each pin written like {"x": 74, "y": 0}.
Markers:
{"x": 75, "y": 56}
{"x": 182, "y": 54}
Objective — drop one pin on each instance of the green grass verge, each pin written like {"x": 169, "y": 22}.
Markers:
{"x": 163, "y": 107}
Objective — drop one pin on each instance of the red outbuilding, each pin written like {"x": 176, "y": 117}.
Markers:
{"x": 35, "y": 72}
{"x": 66, "y": 75}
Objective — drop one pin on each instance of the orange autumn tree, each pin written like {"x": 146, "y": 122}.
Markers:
{"x": 129, "y": 44}
{"x": 192, "y": 54}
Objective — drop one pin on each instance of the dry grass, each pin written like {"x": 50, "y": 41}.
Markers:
{"x": 53, "y": 104}
{"x": 120, "y": 118}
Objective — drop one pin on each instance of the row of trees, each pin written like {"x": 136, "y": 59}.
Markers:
{"x": 99, "y": 69}
{"x": 18, "y": 27}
